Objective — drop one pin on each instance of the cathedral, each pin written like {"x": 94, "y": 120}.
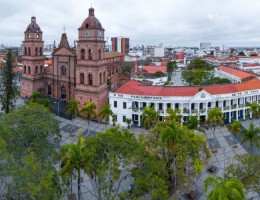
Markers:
{"x": 85, "y": 73}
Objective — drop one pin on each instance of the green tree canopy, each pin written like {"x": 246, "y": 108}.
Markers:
{"x": 105, "y": 113}
{"x": 89, "y": 111}
{"x": 199, "y": 64}
{"x": 149, "y": 117}
{"x": 31, "y": 128}
{"x": 231, "y": 189}
{"x": 173, "y": 143}
{"x": 116, "y": 156}
{"x": 251, "y": 136}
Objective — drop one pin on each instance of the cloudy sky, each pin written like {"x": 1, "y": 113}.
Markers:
{"x": 148, "y": 22}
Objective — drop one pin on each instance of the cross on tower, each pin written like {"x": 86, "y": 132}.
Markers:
{"x": 64, "y": 29}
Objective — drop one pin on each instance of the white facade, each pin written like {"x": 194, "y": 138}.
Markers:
{"x": 233, "y": 105}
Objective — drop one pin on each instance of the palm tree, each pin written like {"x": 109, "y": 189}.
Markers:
{"x": 235, "y": 127}
{"x": 89, "y": 111}
{"x": 252, "y": 136}
{"x": 105, "y": 113}
{"x": 231, "y": 189}
{"x": 170, "y": 137}
{"x": 173, "y": 115}
{"x": 72, "y": 157}
{"x": 215, "y": 118}
{"x": 149, "y": 116}
{"x": 253, "y": 109}
{"x": 72, "y": 109}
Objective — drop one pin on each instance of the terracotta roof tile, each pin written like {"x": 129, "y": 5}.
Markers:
{"x": 235, "y": 72}
{"x": 138, "y": 88}
{"x": 153, "y": 69}
{"x": 112, "y": 54}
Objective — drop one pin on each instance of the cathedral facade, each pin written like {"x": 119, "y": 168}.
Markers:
{"x": 85, "y": 73}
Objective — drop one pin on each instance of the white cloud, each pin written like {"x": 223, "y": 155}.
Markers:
{"x": 172, "y": 22}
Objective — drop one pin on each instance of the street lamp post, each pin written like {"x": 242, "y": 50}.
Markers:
{"x": 59, "y": 105}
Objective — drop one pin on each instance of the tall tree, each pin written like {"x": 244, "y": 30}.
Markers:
{"x": 116, "y": 157}
{"x": 235, "y": 127}
{"x": 89, "y": 111}
{"x": 253, "y": 110}
{"x": 31, "y": 128}
{"x": 215, "y": 118}
{"x": 251, "y": 136}
{"x": 174, "y": 114}
{"x": 9, "y": 88}
{"x": 36, "y": 97}
{"x": 178, "y": 148}
{"x": 31, "y": 135}
{"x": 105, "y": 113}
{"x": 72, "y": 157}
{"x": 149, "y": 117}
{"x": 231, "y": 189}
{"x": 171, "y": 66}
{"x": 72, "y": 109}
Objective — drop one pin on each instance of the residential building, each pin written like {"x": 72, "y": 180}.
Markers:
{"x": 120, "y": 44}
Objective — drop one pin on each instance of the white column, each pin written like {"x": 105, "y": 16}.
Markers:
{"x": 229, "y": 120}
{"x": 244, "y": 114}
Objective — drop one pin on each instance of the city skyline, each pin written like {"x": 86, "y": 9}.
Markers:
{"x": 148, "y": 22}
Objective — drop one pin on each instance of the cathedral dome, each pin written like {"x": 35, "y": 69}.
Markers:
{"x": 91, "y": 22}
{"x": 33, "y": 27}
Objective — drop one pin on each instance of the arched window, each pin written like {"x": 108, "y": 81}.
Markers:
{"x": 86, "y": 25}
{"x": 63, "y": 92}
{"x": 99, "y": 54}
{"x": 82, "y": 54}
{"x": 25, "y": 51}
{"x": 36, "y": 51}
{"x": 104, "y": 77}
{"x": 29, "y": 51}
{"x": 29, "y": 70}
{"x": 81, "y": 77}
{"x": 90, "y": 81}
{"x": 63, "y": 70}
{"x": 100, "y": 78}
{"x": 41, "y": 69}
{"x": 37, "y": 36}
{"x": 24, "y": 69}
{"x": 90, "y": 54}
{"x": 40, "y": 51}
{"x": 36, "y": 70}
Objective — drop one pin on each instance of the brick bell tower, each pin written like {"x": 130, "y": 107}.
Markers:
{"x": 91, "y": 69}
{"x": 33, "y": 60}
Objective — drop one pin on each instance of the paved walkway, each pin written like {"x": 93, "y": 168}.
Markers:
{"x": 69, "y": 130}
{"x": 225, "y": 144}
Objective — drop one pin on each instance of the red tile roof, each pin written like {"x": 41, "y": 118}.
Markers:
{"x": 112, "y": 54}
{"x": 138, "y": 88}
{"x": 235, "y": 72}
{"x": 153, "y": 69}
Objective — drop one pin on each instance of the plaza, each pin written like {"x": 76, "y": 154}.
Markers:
{"x": 225, "y": 145}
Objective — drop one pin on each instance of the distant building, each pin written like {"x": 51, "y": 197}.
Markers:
{"x": 155, "y": 51}
{"x": 205, "y": 45}
{"x": 120, "y": 44}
